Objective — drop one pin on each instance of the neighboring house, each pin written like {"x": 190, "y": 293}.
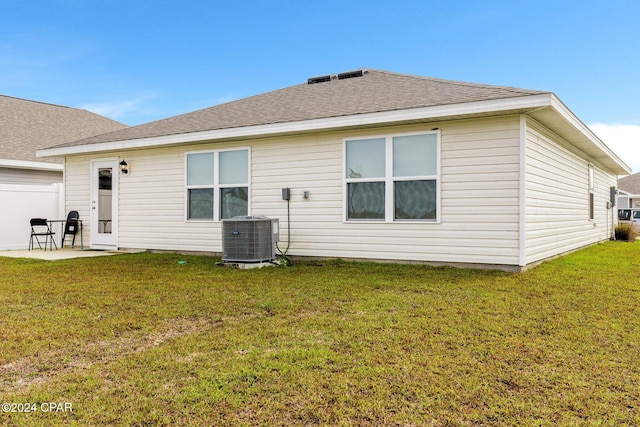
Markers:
{"x": 32, "y": 187}
{"x": 381, "y": 166}
{"x": 629, "y": 191}
{"x": 26, "y": 126}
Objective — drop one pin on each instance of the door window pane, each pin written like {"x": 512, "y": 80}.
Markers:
{"x": 105, "y": 200}
{"x": 365, "y": 158}
{"x": 415, "y": 155}
{"x": 234, "y": 167}
{"x": 365, "y": 200}
{"x": 200, "y": 203}
{"x": 415, "y": 199}
{"x": 105, "y": 178}
{"x": 234, "y": 202}
{"x": 200, "y": 169}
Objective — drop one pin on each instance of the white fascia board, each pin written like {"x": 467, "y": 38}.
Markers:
{"x": 574, "y": 121}
{"x": 23, "y": 164}
{"x": 440, "y": 111}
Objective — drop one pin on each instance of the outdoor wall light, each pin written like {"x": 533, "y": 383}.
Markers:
{"x": 124, "y": 167}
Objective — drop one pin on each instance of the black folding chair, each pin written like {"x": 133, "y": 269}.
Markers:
{"x": 40, "y": 228}
{"x": 71, "y": 227}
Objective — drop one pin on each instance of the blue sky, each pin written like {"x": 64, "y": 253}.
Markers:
{"x": 140, "y": 60}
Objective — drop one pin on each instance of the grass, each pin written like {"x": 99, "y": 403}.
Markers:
{"x": 146, "y": 340}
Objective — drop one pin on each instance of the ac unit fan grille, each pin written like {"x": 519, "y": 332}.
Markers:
{"x": 248, "y": 239}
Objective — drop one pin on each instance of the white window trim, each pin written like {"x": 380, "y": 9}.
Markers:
{"x": 389, "y": 180}
{"x": 216, "y": 183}
{"x": 591, "y": 183}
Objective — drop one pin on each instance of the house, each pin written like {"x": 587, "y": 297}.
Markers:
{"x": 381, "y": 166}
{"x": 629, "y": 191}
{"x": 31, "y": 186}
{"x": 26, "y": 126}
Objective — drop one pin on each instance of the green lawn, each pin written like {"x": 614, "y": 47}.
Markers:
{"x": 146, "y": 340}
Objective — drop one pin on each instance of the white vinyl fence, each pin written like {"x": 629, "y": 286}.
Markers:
{"x": 20, "y": 203}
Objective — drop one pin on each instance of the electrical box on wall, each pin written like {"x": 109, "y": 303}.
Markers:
{"x": 286, "y": 193}
{"x": 613, "y": 195}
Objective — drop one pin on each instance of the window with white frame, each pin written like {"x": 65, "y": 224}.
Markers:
{"x": 217, "y": 184}
{"x": 393, "y": 178}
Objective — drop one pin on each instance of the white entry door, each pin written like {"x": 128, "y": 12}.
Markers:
{"x": 104, "y": 204}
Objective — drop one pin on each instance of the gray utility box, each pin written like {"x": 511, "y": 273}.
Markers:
{"x": 249, "y": 239}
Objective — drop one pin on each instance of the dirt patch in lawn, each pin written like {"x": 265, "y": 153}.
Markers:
{"x": 36, "y": 369}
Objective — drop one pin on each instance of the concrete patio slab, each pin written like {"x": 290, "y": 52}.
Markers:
{"x": 59, "y": 254}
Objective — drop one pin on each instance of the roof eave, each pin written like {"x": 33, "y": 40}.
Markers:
{"x": 545, "y": 107}
{"x": 563, "y": 121}
{"x": 322, "y": 124}
{"x": 24, "y": 164}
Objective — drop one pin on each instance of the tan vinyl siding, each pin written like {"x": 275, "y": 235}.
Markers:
{"x": 29, "y": 176}
{"x": 478, "y": 182}
{"x": 557, "y": 196}
{"x": 479, "y": 185}
{"x": 77, "y": 187}
{"x": 152, "y": 199}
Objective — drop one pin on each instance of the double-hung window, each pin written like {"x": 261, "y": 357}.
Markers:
{"x": 393, "y": 178}
{"x": 217, "y": 184}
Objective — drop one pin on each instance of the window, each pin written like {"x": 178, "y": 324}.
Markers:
{"x": 625, "y": 214}
{"x": 392, "y": 178}
{"x": 217, "y": 184}
{"x": 591, "y": 189}
{"x": 366, "y": 178}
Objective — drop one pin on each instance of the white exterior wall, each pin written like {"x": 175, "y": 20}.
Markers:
{"x": 629, "y": 201}
{"x": 19, "y": 204}
{"x": 479, "y": 206}
{"x": 29, "y": 176}
{"x": 479, "y": 197}
{"x": 557, "y": 196}
{"x": 77, "y": 188}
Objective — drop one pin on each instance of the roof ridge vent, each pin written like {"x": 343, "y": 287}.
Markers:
{"x": 351, "y": 74}
{"x": 320, "y": 79}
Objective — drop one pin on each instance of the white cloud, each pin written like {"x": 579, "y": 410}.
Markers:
{"x": 131, "y": 111}
{"x": 624, "y": 140}
{"x": 148, "y": 107}
{"x": 115, "y": 110}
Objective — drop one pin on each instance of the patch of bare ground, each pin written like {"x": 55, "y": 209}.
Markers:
{"x": 37, "y": 369}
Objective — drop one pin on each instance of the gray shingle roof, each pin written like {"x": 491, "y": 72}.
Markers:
{"x": 26, "y": 126}
{"x": 375, "y": 91}
{"x": 630, "y": 184}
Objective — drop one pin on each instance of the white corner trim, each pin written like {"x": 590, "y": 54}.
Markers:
{"x": 440, "y": 111}
{"x": 23, "y": 164}
{"x": 522, "y": 205}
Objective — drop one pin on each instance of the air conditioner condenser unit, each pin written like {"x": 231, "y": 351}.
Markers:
{"x": 249, "y": 239}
